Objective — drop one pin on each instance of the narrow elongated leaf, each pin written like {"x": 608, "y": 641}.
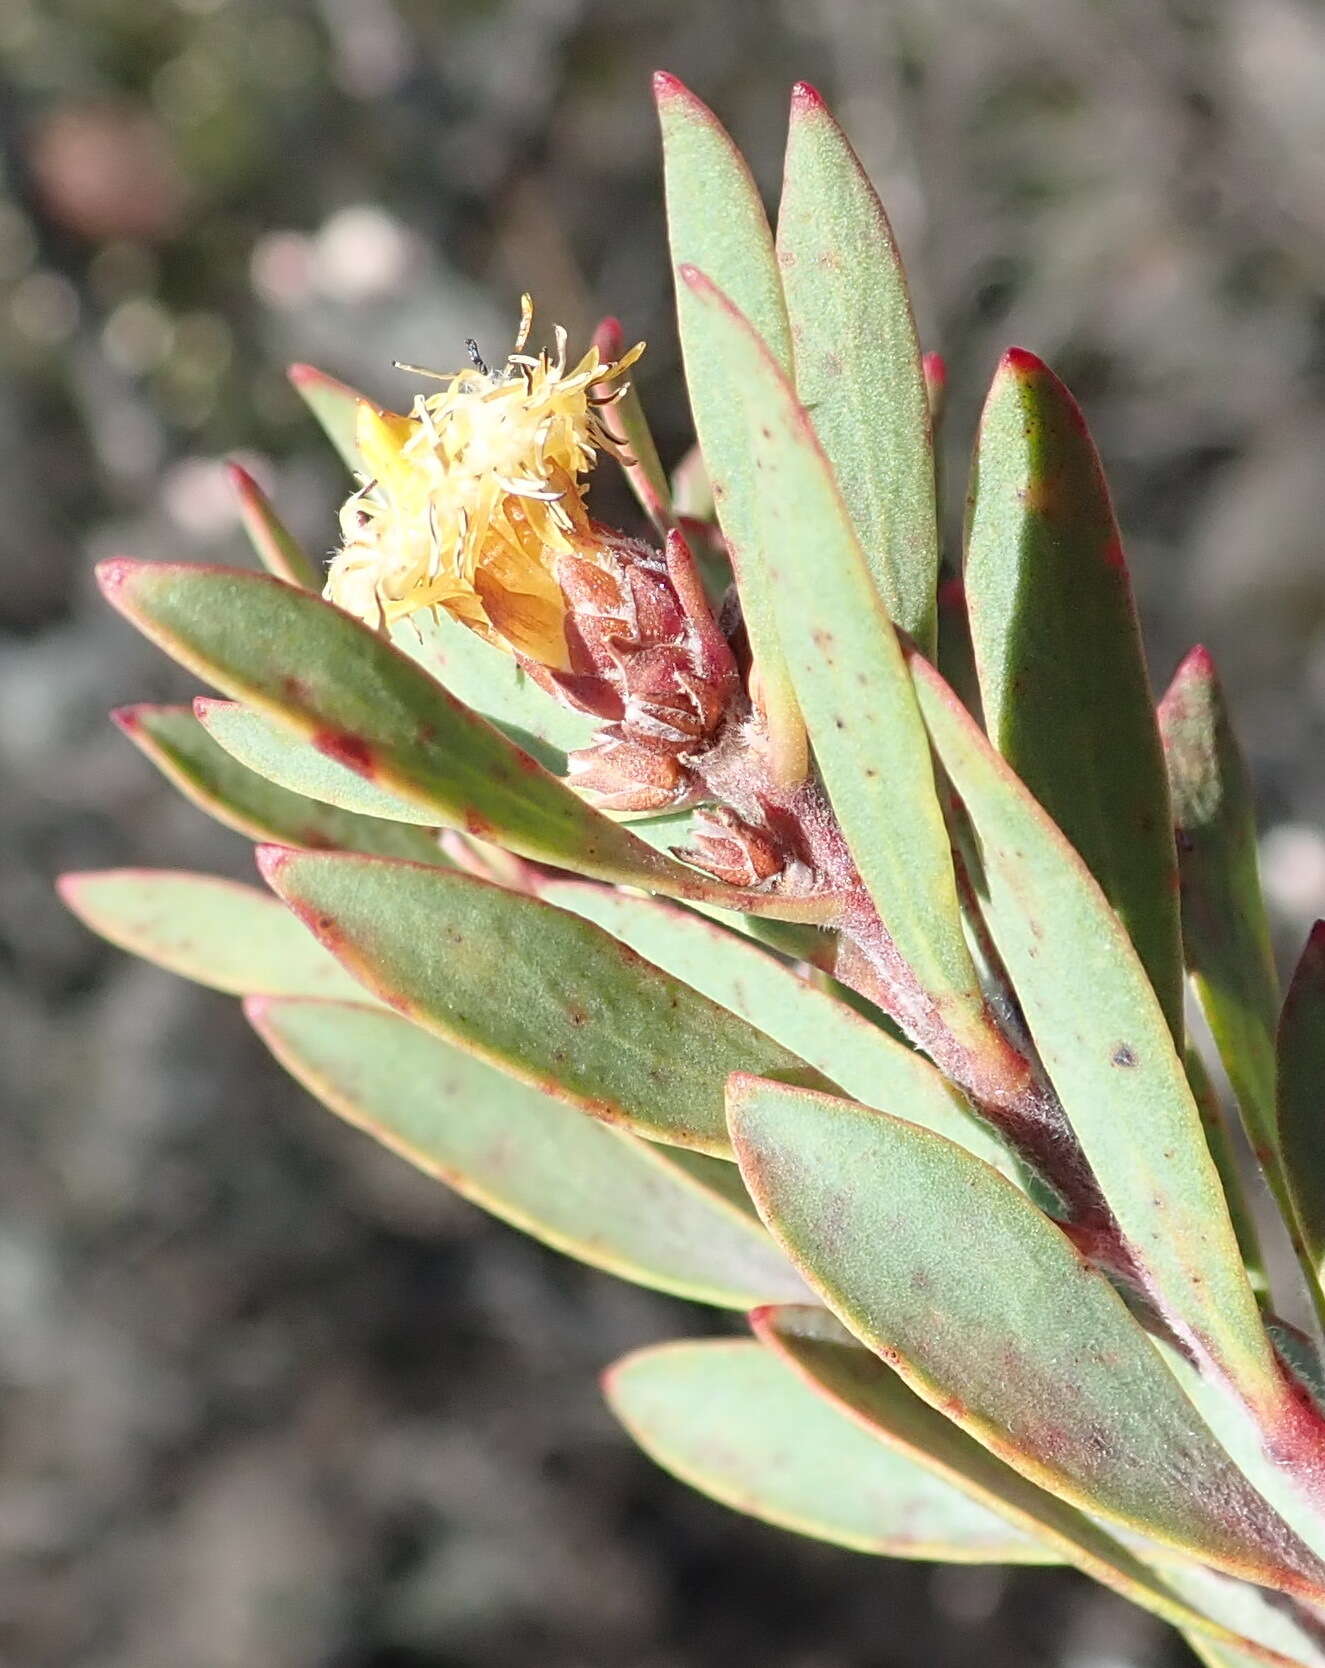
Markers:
{"x": 731, "y": 1420}
{"x": 213, "y": 931}
{"x": 277, "y": 754}
{"x": 207, "y": 774}
{"x": 278, "y": 549}
{"x": 1224, "y": 928}
{"x": 335, "y": 405}
{"x": 1301, "y": 1131}
{"x": 715, "y": 221}
{"x": 833, "y": 1038}
{"x": 897, "y": 1229}
{"x": 1260, "y": 1620}
{"x": 857, "y": 358}
{"x": 850, "y": 676}
{"x": 1109, "y": 1051}
{"x": 1218, "y": 1139}
{"x": 1297, "y": 1502}
{"x": 837, "y": 1367}
{"x": 540, "y": 993}
{"x": 335, "y": 683}
{"x": 597, "y": 1193}
{"x": 1062, "y": 673}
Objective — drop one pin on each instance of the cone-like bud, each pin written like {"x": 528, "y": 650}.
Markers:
{"x": 733, "y": 850}
{"x": 475, "y": 504}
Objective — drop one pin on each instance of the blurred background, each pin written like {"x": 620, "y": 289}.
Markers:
{"x": 271, "y": 1400}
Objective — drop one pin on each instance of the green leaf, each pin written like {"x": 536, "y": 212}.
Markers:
{"x": 1109, "y": 1052}
{"x": 1296, "y": 1500}
{"x": 850, "y": 676}
{"x": 335, "y": 405}
{"x": 278, "y": 549}
{"x": 1224, "y": 928}
{"x": 1265, "y": 1627}
{"x": 988, "y": 1312}
{"x": 207, "y": 774}
{"x": 1063, "y": 679}
{"x": 1225, "y": 1155}
{"x": 541, "y": 994}
{"x": 716, "y": 221}
{"x": 596, "y": 1193}
{"x": 857, "y": 359}
{"x": 333, "y": 682}
{"x": 835, "y": 1365}
{"x": 731, "y": 1420}
{"x": 1301, "y": 1124}
{"x": 493, "y": 684}
{"x": 745, "y": 979}
{"x": 213, "y": 931}
{"x": 274, "y": 752}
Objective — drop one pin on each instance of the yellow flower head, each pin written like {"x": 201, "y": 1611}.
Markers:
{"x": 468, "y": 501}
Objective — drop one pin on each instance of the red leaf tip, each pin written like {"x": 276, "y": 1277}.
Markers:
{"x": 1197, "y": 666}
{"x": 301, "y": 373}
{"x": 1021, "y": 361}
{"x": 126, "y": 719}
{"x": 66, "y": 888}
{"x": 114, "y": 574}
{"x": 805, "y": 96}
{"x": 271, "y": 860}
{"x": 667, "y": 85}
{"x": 609, "y": 337}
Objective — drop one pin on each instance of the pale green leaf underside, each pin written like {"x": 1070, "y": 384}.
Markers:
{"x": 596, "y": 1193}
{"x": 731, "y": 1420}
{"x": 837, "y": 1367}
{"x": 216, "y": 932}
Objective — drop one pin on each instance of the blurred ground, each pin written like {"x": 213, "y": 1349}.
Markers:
{"x": 269, "y": 1398}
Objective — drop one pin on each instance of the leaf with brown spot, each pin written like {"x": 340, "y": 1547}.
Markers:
{"x": 309, "y": 666}
{"x": 248, "y": 802}
{"x": 1043, "y": 1365}
{"x": 1063, "y": 679}
{"x": 838, "y": 1041}
{"x": 503, "y": 976}
{"x": 1085, "y": 997}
